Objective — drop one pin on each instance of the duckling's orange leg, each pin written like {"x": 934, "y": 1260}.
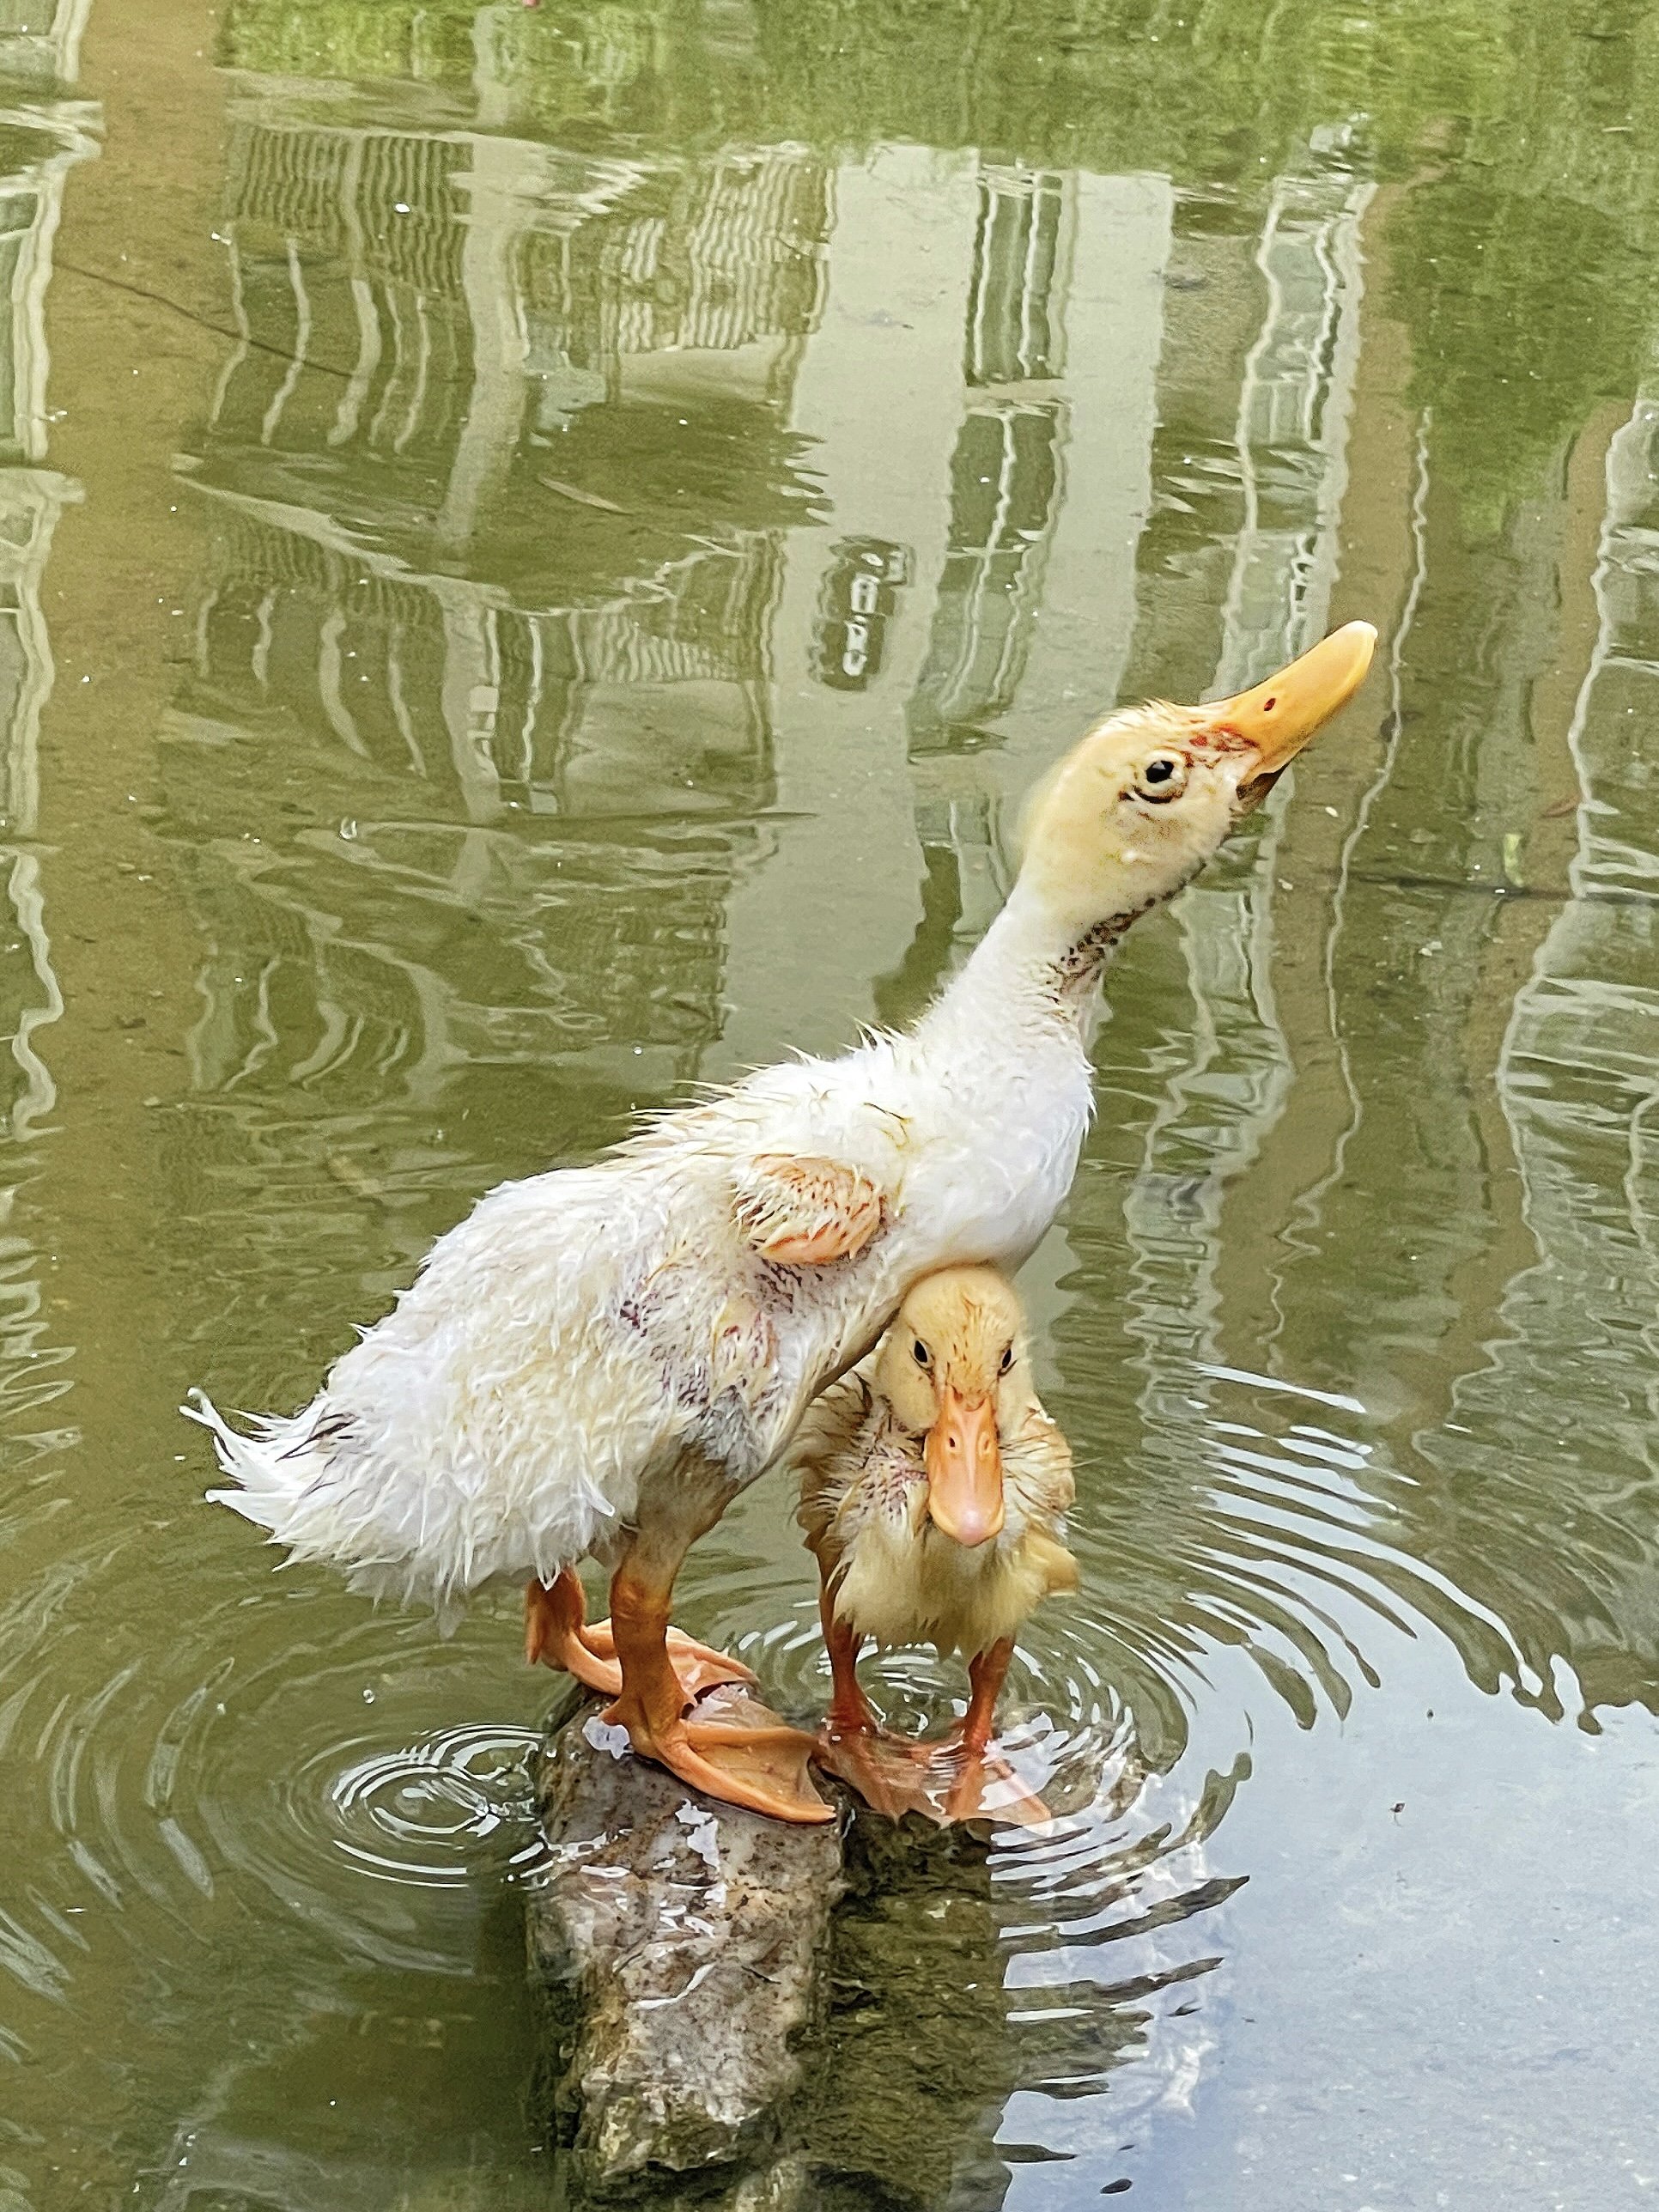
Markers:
{"x": 556, "y": 1630}
{"x": 987, "y": 1671}
{"x": 852, "y": 1744}
{"x": 762, "y": 1768}
{"x": 985, "y": 1786}
{"x": 850, "y": 1712}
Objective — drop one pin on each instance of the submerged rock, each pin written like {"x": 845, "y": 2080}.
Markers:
{"x": 680, "y": 1948}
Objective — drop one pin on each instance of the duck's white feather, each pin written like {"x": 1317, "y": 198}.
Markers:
{"x": 585, "y": 1331}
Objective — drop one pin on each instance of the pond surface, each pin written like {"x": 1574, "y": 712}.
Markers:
{"x": 540, "y": 545}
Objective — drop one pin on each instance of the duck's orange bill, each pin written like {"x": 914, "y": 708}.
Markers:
{"x": 1277, "y": 718}
{"x": 964, "y": 1469}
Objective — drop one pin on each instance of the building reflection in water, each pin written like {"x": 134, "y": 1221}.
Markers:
{"x": 449, "y": 345}
{"x": 1002, "y": 324}
{"x": 464, "y": 362}
{"x": 38, "y": 149}
{"x": 1004, "y": 486}
{"x": 41, "y": 41}
{"x": 1294, "y": 393}
{"x": 1005, "y": 482}
{"x": 1577, "y": 1082}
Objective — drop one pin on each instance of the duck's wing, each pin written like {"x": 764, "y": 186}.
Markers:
{"x": 823, "y": 1161}
{"x": 803, "y": 1210}
{"x": 810, "y": 1151}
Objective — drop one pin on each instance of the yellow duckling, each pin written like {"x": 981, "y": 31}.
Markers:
{"x": 933, "y": 1491}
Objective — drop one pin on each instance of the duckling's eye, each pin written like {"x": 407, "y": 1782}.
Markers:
{"x": 923, "y": 1357}
{"x": 1164, "y": 776}
{"x": 1006, "y": 1360}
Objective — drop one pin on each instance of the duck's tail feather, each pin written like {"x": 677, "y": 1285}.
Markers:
{"x": 288, "y": 1474}
{"x": 264, "y": 1462}
{"x": 329, "y": 1488}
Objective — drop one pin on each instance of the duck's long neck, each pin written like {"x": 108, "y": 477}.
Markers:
{"x": 1031, "y": 971}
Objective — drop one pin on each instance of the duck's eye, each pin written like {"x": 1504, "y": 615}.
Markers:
{"x": 1164, "y": 776}
{"x": 1006, "y": 1360}
{"x": 923, "y": 1357}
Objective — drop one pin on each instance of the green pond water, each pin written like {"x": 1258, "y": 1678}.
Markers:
{"x": 539, "y": 546}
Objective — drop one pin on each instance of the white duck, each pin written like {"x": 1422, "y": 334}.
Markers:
{"x": 596, "y": 1361}
{"x": 933, "y": 1494}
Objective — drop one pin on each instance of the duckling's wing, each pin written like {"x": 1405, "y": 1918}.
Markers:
{"x": 827, "y": 1451}
{"x": 1052, "y": 1562}
{"x": 1039, "y": 1468}
{"x": 803, "y": 1210}
{"x": 1046, "y": 1479}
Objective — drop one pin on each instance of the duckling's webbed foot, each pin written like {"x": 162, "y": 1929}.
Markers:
{"x": 987, "y": 1789}
{"x": 958, "y": 1778}
{"x": 944, "y": 1782}
{"x": 892, "y": 1775}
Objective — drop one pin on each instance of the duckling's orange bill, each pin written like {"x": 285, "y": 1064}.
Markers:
{"x": 1277, "y": 719}
{"x": 963, "y": 1461}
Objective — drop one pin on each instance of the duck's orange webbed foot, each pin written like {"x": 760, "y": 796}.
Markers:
{"x": 699, "y": 1665}
{"x": 557, "y": 1633}
{"x": 746, "y": 1757}
{"x": 731, "y": 1749}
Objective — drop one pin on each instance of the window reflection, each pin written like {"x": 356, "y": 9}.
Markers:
{"x": 1014, "y": 333}
{"x": 1005, "y": 487}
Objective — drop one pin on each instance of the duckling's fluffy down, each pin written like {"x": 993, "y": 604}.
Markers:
{"x": 892, "y": 1575}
